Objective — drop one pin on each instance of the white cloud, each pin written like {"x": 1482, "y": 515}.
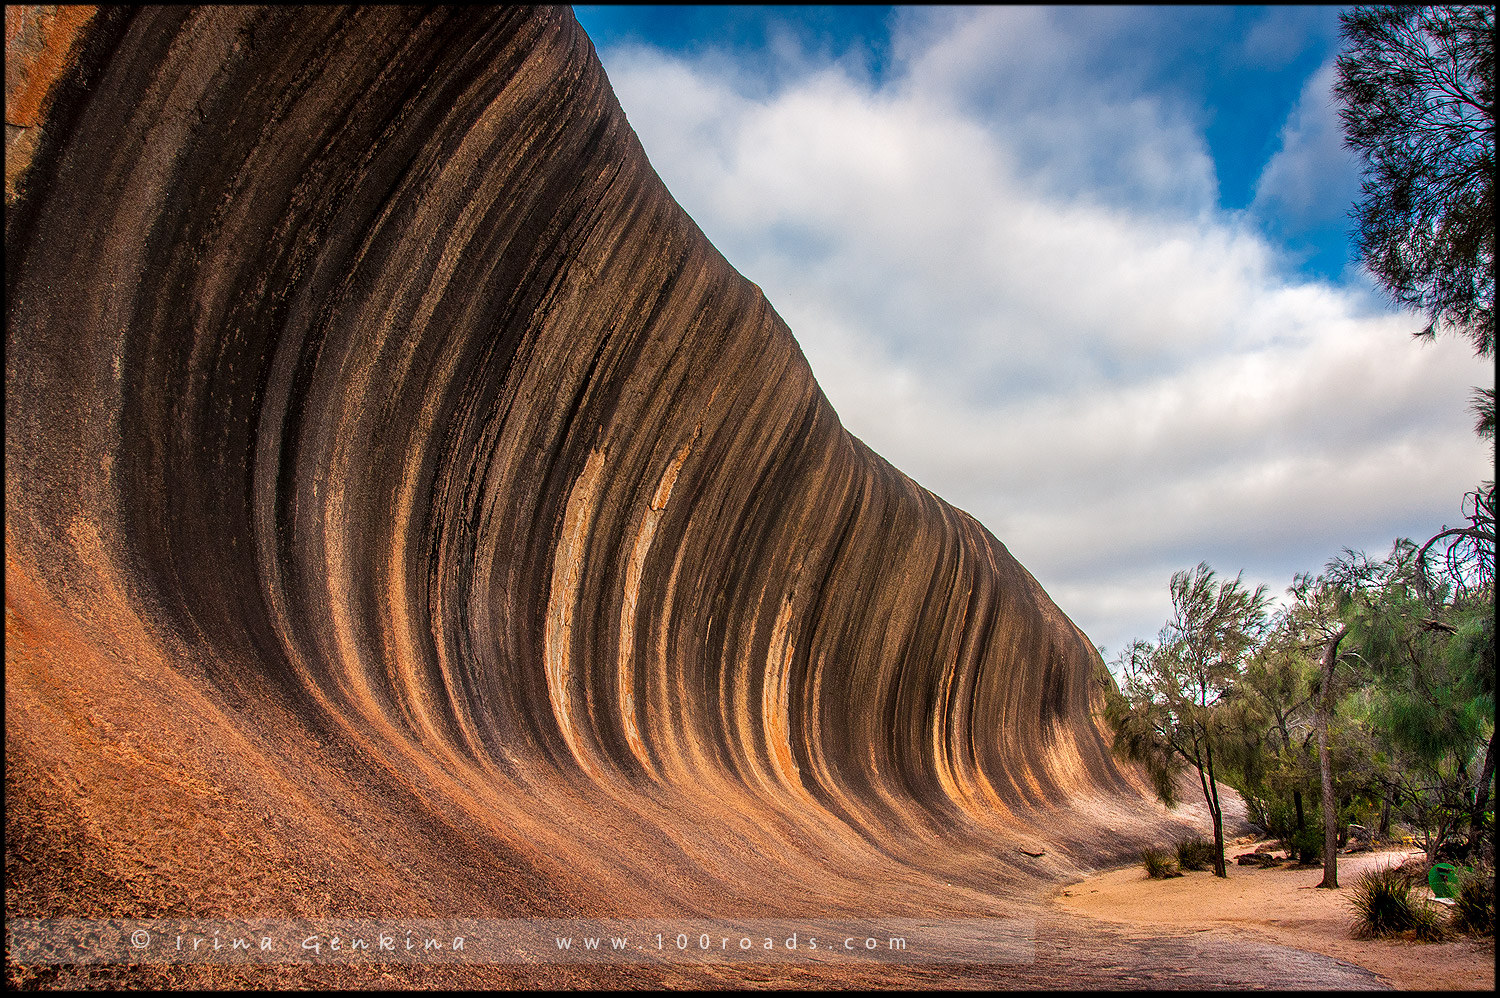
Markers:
{"x": 1312, "y": 176}
{"x": 1278, "y": 36}
{"x": 1027, "y": 301}
{"x": 1026, "y": 73}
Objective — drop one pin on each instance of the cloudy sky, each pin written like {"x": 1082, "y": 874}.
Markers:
{"x": 1082, "y": 272}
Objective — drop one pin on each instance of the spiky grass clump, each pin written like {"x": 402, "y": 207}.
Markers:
{"x": 1195, "y": 854}
{"x": 1474, "y": 904}
{"x": 1429, "y": 926}
{"x": 1159, "y": 864}
{"x": 1384, "y": 906}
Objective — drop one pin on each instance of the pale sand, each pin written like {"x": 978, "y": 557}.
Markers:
{"x": 1282, "y": 906}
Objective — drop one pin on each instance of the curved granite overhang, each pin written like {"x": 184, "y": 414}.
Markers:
{"x": 410, "y": 510}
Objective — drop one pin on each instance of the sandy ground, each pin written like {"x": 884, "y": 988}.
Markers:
{"x": 1282, "y": 906}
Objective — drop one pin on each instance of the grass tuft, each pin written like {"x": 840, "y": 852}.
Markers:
{"x": 1384, "y": 906}
{"x": 1195, "y": 854}
{"x": 1474, "y": 905}
{"x": 1159, "y": 864}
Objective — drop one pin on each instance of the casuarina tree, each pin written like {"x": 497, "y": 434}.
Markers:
{"x": 1416, "y": 85}
{"x": 1170, "y": 713}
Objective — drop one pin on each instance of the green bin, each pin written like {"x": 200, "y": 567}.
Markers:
{"x": 1443, "y": 879}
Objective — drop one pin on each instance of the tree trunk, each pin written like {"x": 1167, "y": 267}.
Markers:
{"x": 1300, "y": 840}
{"x": 1330, "y": 816}
{"x": 1286, "y": 741}
{"x": 1330, "y": 811}
{"x": 1482, "y": 794}
{"x": 1216, "y": 810}
{"x": 1385, "y": 818}
{"x": 1205, "y": 781}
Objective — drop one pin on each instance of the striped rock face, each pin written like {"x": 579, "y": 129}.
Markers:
{"x": 410, "y": 511}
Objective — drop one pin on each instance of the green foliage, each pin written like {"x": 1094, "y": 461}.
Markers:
{"x": 1142, "y": 725}
{"x": 1171, "y": 712}
{"x": 1195, "y": 853}
{"x": 1417, "y": 89}
{"x": 1307, "y": 844}
{"x": 1419, "y": 708}
{"x": 1276, "y": 816}
{"x": 1432, "y": 672}
{"x": 1279, "y": 818}
{"x": 1429, "y": 925}
{"x": 1474, "y": 905}
{"x": 1278, "y": 685}
{"x": 1384, "y": 905}
{"x": 1417, "y": 85}
{"x": 1470, "y": 650}
{"x": 1377, "y": 669}
{"x": 1273, "y": 764}
{"x": 1159, "y": 864}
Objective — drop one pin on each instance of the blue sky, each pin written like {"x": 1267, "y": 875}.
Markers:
{"x": 1083, "y": 272}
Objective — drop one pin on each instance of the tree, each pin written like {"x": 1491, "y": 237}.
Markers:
{"x": 1433, "y": 646}
{"x": 1428, "y": 653}
{"x": 1417, "y": 89}
{"x": 1473, "y": 643}
{"x": 1273, "y": 701}
{"x": 1319, "y": 617}
{"x": 1169, "y": 714}
{"x": 1468, "y": 568}
{"x": 1468, "y": 549}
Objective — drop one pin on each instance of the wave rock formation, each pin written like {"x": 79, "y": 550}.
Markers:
{"x": 410, "y": 511}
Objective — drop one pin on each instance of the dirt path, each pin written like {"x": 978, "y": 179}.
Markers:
{"x": 1072, "y": 953}
{"x": 1279, "y": 906}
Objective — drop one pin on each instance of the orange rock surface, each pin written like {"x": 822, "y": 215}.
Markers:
{"x": 411, "y": 514}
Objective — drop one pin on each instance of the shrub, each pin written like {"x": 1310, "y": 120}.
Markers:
{"x": 1276, "y": 816}
{"x": 1474, "y": 905}
{"x": 1413, "y": 872}
{"x": 1195, "y": 854}
{"x": 1159, "y": 864}
{"x": 1427, "y": 923}
{"x": 1306, "y": 846}
{"x": 1384, "y": 906}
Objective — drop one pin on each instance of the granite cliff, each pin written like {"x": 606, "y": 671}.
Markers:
{"x": 409, "y": 511}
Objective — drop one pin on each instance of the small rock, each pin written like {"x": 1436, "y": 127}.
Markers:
{"x": 1257, "y": 859}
